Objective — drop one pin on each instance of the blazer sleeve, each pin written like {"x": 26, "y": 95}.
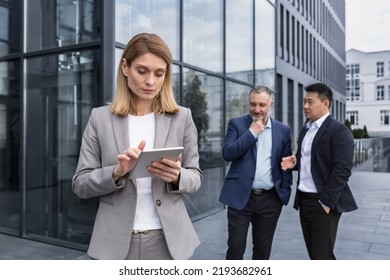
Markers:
{"x": 286, "y": 175}
{"x": 237, "y": 141}
{"x": 340, "y": 165}
{"x": 91, "y": 178}
{"x": 190, "y": 173}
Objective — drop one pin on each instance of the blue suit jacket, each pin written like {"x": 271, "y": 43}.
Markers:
{"x": 331, "y": 164}
{"x": 240, "y": 148}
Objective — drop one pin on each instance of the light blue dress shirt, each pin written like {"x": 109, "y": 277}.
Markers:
{"x": 263, "y": 175}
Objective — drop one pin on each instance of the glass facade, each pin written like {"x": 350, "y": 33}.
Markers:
{"x": 160, "y": 17}
{"x": 61, "y": 23}
{"x": 203, "y": 34}
{"x": 203, "y": 94}
{"x": 52, "y": 64}
{"x": 264, "y": 44}
{"x": 60, "y": 93}
{"x": 10, "y": 144}
{"x": 239, "y": 40}
{"x": 10, "y": 31}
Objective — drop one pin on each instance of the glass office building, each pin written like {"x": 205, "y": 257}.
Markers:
{"x": 58, "y": 60}
{"x": 310, "y": 47}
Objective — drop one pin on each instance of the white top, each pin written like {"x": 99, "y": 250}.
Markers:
{"x": 146, "y": 216}
{"x": 306, "y": 182}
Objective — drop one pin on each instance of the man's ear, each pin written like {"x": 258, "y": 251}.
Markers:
{"x": 327, "y": 103}
{"x": 124, "y": 67}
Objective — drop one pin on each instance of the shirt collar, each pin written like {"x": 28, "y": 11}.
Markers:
{"x": 318, "y": 122}
{"x": 269, "y": 123}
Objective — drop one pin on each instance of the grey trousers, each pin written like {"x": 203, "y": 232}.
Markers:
{"x": 149, "y": 246}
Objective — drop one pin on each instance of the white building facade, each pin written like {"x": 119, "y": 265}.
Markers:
{"x": 368, "y": 91}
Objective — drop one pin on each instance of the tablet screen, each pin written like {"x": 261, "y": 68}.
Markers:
{"x": 147, "y": 156}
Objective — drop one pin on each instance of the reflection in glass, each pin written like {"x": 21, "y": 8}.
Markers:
{"x": 62, "y": 23}
{"x": 265, "y": 44}
{"x": 239, "y": 40}
{"x": 10, "y": 26}
{"x": 203, "y": 34}
{"x": 61, "y": 91}
{"x": 9, "y": 145}
{"x": 160, "y": 17}
{"x": 203, "y": 95}
{"x": 118, "y": 54}
{"x": 237, "y": 101}
{"x": 176, "y": 82}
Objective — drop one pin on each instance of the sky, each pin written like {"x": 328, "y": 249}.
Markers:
{"x": 367, "y": 25}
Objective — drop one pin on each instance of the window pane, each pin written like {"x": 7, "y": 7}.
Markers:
{"x": 160, "y": 17}
{"x": 203, "y": 95}
{"x": 379, "y": 69}
{"x": 203, "y": 34}
{"x": 61, "y": 90}
{"x": 9, "y": 145}
{"x": 176, "y": 82}
{"x": 62, "y": 23}
{"x": 239, "y": 39}
{"x": 10, "y": 26}
{"x": 237, "y": 100}
{"x": 265, "y": 44}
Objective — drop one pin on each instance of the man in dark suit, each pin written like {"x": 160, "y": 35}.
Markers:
{"x": 255, "y": 188}
{"x": 324, "y": 160}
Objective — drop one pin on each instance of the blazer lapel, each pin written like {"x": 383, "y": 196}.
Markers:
{"x": 319, "y": 134}
{"x": 121, "y": 132}
{"x": 302, "y": 134}
{"x": 163, "y": 123}
{"x": 275, "y": 135}
{"x": 247, "y": 124}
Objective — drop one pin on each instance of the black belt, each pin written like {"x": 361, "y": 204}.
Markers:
{"x": 260, "y": 191}
{"x": 308, "y": 195}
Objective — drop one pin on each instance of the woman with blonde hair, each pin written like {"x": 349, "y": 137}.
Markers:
{"x": 140, "y": 218}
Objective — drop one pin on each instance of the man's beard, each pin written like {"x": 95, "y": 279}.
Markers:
{"x": 258, "y": 117}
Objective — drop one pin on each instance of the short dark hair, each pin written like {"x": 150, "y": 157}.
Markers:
{"x": 324, "y": 92}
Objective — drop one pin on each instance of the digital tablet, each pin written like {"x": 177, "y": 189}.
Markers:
{"x": 146, "y": 157}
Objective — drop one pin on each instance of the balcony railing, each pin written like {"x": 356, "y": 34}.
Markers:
{"x": 372, "y": 154}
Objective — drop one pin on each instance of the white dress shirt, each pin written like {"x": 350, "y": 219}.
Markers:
{"x": 306, "y": 182}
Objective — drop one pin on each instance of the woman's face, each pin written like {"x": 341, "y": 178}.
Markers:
{"x": 145, "y": 76}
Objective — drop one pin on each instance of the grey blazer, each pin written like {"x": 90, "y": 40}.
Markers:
{"x": 105, "y": 136}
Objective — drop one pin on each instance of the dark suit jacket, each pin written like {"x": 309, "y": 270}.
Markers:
{"x": 240, "y": 148}
{"x": 331, "y": 163}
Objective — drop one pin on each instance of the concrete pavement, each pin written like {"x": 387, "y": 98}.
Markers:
{"x": 363, "y": 234}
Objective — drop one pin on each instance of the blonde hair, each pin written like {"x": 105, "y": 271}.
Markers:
{"x": 140, "y": 44}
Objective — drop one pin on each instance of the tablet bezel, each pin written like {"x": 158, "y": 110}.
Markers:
{"x": 147, "y": 156}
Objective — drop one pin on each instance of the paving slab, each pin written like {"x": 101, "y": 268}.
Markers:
{"x": 363, "y": 234}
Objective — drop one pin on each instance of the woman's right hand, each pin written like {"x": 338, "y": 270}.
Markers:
{"x": 127, "y": 160}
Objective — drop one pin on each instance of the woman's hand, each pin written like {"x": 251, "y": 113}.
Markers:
{"x": 127, "y": 160}
{"x": 167, "y": 169}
